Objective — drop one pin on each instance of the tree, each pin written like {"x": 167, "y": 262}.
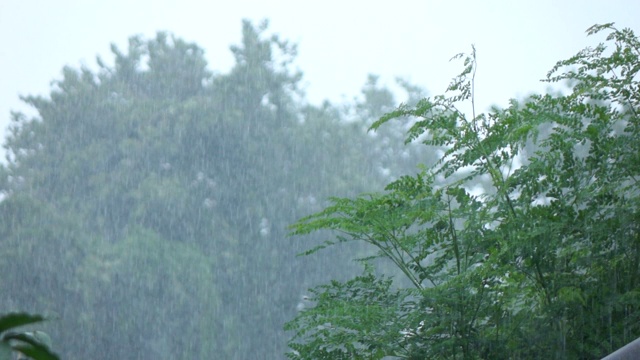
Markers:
{"x": 544, "y": 264}
{"x": 149, "y": 200}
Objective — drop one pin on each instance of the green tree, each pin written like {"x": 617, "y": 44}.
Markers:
{"x": 544, "y": 264}
{"x": 147, "y": 203}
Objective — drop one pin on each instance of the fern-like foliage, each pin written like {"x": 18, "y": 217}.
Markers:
{"x": 521, "y": 242}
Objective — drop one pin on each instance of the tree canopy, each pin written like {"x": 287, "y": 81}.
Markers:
{"x": 520, "y": 242}
{"x": 145, "y": 207}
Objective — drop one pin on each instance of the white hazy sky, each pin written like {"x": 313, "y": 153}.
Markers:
{"x": 340, "y": 42}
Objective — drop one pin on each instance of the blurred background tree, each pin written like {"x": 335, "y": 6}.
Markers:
{"x": 146, "y": 205}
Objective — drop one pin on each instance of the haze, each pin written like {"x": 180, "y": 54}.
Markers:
{"x": 339, "y": 42}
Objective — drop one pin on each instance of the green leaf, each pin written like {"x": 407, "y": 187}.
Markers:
{"x": 36, "y": 352}
{"x": 13, "y": 320}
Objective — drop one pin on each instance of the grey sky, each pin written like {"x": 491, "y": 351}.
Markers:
{"x": 340, "y": 42}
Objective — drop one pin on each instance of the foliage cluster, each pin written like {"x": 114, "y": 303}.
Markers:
{"x": 34, "y": 344}
{"x": 544, "y": 262}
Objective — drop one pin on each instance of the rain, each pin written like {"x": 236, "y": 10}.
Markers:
{"x": 147, "y": 199}
{"x": 147, "y": 206}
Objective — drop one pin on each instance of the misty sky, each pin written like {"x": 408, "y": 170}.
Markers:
{"x": 340, "y": 42}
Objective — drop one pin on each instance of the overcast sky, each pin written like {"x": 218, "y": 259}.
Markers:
{"x": 340, "y": 42}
